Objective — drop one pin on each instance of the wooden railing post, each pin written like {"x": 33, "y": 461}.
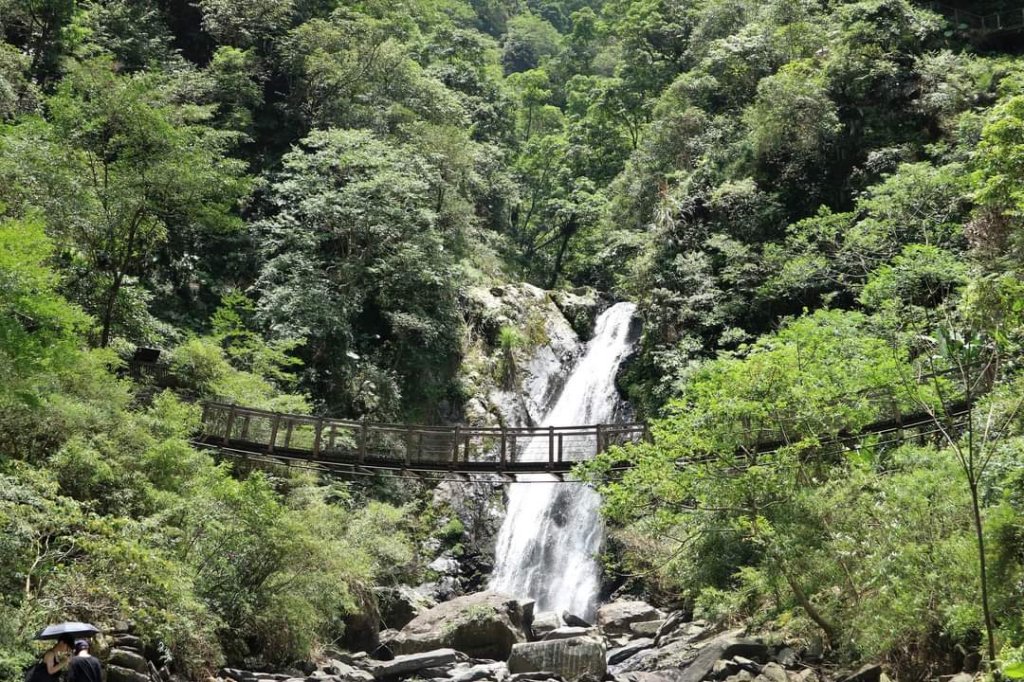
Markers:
{"x": 551, "y": 447}
{"x": 504, "y": 450}
{"x": 230, "y": 425}
{"x": 205, "y": 418}
{"x": 408, "y": 444}
{"x": 455, "y": 447}
{"x": 288, "y": 433}
{"x": 364, "y": 434}
{"x": 273, "y": 432}
{"x": 600, "y": 440}
{"x": 317, "y": 435}
{"x": 560, "y": 448}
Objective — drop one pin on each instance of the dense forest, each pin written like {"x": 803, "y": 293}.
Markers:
{"x": 817, "y": 206}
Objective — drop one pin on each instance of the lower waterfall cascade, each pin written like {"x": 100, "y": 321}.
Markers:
{"x": 548, "y": 545}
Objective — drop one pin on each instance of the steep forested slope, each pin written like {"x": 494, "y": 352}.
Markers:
{"x": 809, "y": 200}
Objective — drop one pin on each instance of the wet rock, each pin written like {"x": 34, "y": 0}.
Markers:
{"x": 868, "y": 673}
{"x": 622, "y": 653}
{"x": 129, "y": 659}
{"x": 482, "y": 625}
{"x": 482, "y": 671}
{"x": 616, "y": 617}
{"x": 575, "y": 621}
{"x": 411, "y": 663}
{"x": 545, "y": 622}
{"x": 568, "y": 633}
{"x": 571, "y": 659}
{"x": 646, "y": 628}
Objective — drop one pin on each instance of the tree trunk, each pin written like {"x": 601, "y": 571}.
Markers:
{"x": 108, "y": 311}
{"x": 979, "y": 531}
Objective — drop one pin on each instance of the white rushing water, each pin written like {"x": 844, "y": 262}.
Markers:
{"x": 549, "y": 541}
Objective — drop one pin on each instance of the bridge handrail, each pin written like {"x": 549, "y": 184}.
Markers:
{"x": 360, "y": 441}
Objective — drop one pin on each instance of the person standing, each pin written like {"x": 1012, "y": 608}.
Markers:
{"x": 84, "y": 667}
{"x": 54, "y": 661}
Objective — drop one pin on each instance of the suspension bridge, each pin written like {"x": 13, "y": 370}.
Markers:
{"x": 343, "y": 444}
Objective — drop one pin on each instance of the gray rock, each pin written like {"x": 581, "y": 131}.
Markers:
{"x": 482, "y": 671}
{"x": 786, "y": 657}
{"x": 672, "y": 624}
{"x": 445, "y": 565}
{"x": 399, "y": 605}
{"x": 646, "y": 628}
{"x": 129, "y": 641}
{"x": 805, "y": 675}
{"x": 568, "y": 633}
{"x": 868, "y": 673}
{"x": 116, "y": 673}
{"x": 482, "y": 625}
{"x": 616, "y": 617}
{"x": 773, "y": 672}
{"x": 622, "y": 653}
{"x": 129, "y": 659}
{"x": 572, "y": 620}
{"x": 236, "y": 674}
{"x": 346, "y": 672}
{"x": 410, "y": 663}
{"x": 538, "y": 676}
{"x": 741, "y": 676}
{"x": 544, "y": 622}
{"x": 571, "y": 659}
{"x": 962, "y": 677}
{"x": 696, "y": 657}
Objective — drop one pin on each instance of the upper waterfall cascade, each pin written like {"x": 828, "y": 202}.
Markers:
{"x": 549, "y": 541}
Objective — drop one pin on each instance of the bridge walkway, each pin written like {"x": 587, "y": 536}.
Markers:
{"x": 463, "y": 449}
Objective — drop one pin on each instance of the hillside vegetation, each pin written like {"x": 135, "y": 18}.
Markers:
{"x": 816, "y": 204}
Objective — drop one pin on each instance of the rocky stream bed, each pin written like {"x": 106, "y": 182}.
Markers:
{"x": 487, "y": 637}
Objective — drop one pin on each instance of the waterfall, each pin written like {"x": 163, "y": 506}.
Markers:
{"x": 549, "y": 541}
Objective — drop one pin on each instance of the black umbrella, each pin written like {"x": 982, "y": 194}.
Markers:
{"x": 67, "y": 630}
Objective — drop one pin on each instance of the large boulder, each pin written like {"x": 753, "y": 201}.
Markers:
{"x": 570, "y": 659}
{"x": 482, "y": 625}
{"x": 693, "y": 654}
{"x": 128, "y": 659}
{"x": 116, "y": 673}
{"x": 545, "y": 622}
{"x": 399, "y": 605}
{"x": 616, "y": 617}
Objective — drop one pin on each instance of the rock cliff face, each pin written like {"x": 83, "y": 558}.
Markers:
{"x": 520, "y": 345}
{"x": 522, "y": 342}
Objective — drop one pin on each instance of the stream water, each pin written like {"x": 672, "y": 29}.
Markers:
{"x": 551, "y": 535}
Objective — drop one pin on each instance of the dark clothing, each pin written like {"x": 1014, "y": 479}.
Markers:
{"x": 39, "y": 673}
{"x": 85, "y": 669}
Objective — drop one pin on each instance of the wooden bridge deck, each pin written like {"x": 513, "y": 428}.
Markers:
{"x": 460, "y": 449}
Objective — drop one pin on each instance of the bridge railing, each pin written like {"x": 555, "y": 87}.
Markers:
{"x": 353, "y": 442}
